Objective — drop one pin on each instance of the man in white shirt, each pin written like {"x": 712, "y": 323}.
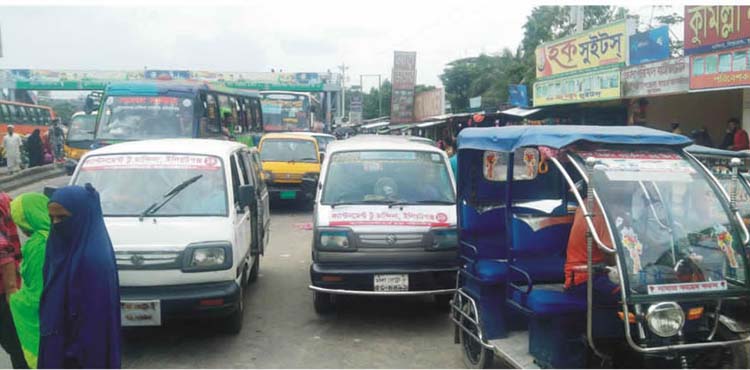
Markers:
{"x": 12, "y": 144}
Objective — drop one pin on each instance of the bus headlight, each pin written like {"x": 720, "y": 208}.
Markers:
{"x": 665, "y": 319}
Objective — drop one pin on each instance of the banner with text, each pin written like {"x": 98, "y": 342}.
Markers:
{"x": 586, "y": 87}
{"x": 602, "y": 46}
{"x": 728, "y": 68}
{"x": 712, "y": 28}
{"x": 404, "y": 80}
{"x": 650, "y": 46}
{"x": 658, "y": 78}
{"x": 429, "y": 104}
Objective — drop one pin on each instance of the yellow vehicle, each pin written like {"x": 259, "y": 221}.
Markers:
{"x": 291, "y": 165}
{"x": 80, "y": 135}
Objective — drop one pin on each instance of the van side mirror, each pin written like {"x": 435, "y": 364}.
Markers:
{"x": 49, "y": 190}
{"x": 247, "y": 196}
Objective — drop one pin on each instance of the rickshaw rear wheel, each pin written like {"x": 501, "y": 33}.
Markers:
{"x": 475, "y": 355}
{"x": 730, "y": 357}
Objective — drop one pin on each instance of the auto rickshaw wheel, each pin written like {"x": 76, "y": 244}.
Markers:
{"x": 729, "y": 357}
{"x": 475, "y": 355}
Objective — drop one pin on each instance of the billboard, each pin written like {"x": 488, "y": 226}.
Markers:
{"x": 722, "y": 69}
{"x": 713, "y": 28}
{"x": 518, "y": 96}
{"x": 585, "y": 87}
{"x": 650, "y": 46}
{"x": 355, "y": 106}
{"x": 429, "y": 104}
{"x": 404, "y": 80}
{"x": 598, "y": 47}
{"x": 658, "y": 78}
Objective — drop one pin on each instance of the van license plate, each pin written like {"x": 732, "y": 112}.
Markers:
{"x": 288, "y": 195}
{"x": 140, "y": 313}
{"x": 391, "y": 283}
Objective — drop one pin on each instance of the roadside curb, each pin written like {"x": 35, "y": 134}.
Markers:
{"x": 30, "y": 176}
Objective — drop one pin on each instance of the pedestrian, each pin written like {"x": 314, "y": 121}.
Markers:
{"x": 35, "y": 149}
{"x": 701, "y": 137}
{"x": 450, "y": 150}
{"x": 10, "y": 249}
{"x": 80, "y": 307}
{"x": 735, "y": 138}
{"x": 57, "y": 139}
{"x": 12, "y": 144}
{"x": 29, "y": 212}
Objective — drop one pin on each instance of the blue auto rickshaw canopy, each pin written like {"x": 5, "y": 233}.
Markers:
{"x": 701, "y": 150}
{"x": 510, "y": 138}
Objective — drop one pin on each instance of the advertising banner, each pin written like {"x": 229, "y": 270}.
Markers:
{"x": 658, "y": 78}
{"x": 518, "y": 96}
{"x": 713, "y": 28}
{"x": 585, "y": 87}
{"x": 355, "y": 106}
{"x": 598, "y": 47}
{"x": 404, "y": 80}
{"x": 729, "y": 68}
{"x": 429, "y": 104}
{"x": 651, "y": 46}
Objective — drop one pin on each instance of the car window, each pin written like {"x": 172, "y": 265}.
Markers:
{"x": 245, "y": 169}
{"x": 236, "y": 182}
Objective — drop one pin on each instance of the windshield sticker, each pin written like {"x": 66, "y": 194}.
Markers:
{"x": 389, "y": 218}
{"x": 708, "y": 286}
{"x": 633, "y": 245}
{"x": 724, "y": 239}
{"x": 530, "y": 159}
{"x": 151, "y": 161}
{"x": 617, "y": 154}
{"x": 372, "y": 166}
{"x": 495, "y": 166}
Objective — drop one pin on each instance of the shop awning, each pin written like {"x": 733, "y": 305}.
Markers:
{"x": 520, "y": 112}
{"x": 374, "y": 125}
{"x": 429, "y": 124}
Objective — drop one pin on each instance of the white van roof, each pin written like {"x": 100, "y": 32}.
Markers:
{"x": 220, "y": 148}
{"x": 379, "y": 142}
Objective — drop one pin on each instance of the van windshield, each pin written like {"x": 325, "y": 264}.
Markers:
{"x": 129, "y": 183}
{"x": 411, "y": 177}
{"x": 145, "y": 117}
{"x": 288, "y": 150}
{"x": 82, "y": 128}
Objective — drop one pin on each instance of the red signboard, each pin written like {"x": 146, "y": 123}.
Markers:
{"x": 712, "y": 28}
{"x": 728, "y": 68}
{"x": 402, "y": 91}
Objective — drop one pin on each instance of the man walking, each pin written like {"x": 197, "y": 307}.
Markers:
{"x": 12, "y": 144}
{"x": 736, "y": 138}
{"x": 57, "y": 140}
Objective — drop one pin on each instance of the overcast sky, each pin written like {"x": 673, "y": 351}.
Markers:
{"x": 259, "y": 35}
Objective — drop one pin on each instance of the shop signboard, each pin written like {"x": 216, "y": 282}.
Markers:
{"x": 429, "y": 104}
{"x": 518, "y": 96}
{"x": 722, "y": 69}
{"x": 355, "y": 106}
{"x": 584, "y": 87}
{"x": 650, "y": 46}
{"x": 713, "y": 28}
{"x": 595, "y": 48}
{"x": 404, "y": 80}
{"x": 658, "y": 78}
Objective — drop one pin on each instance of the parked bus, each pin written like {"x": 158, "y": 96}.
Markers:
{"x": 25, "y": 118}
{"x": 290, "y": 111}
{"x": 140, "y": 110}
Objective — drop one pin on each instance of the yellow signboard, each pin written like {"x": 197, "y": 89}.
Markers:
{"x": 585, "y": 87}
{"x": 597, "y": 47}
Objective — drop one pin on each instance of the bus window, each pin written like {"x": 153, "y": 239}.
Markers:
{"x": 244, "y": 115}
{"x": 257, "y": 116}
{"x": 212, "y": 125}
{"x": 36, "y": 116}
{"x": 46, "y": 116}
{"x": 12, "y": 117}
{"x": 4, "y": 113}
{"x": 22, "y": 114}
{"x": 145, "y": 117}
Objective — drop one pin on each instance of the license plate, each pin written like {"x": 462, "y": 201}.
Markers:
{"x": 288, "y": 195}
{"x": 391, "y": 283}
{"x": 140, "y": 313}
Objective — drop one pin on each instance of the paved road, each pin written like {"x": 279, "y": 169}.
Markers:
{"x": 281, "y": 330}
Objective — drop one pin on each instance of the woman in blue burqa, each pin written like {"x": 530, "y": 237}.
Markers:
{"x": 80, "y": 306}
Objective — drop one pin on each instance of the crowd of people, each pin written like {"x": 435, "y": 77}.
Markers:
{"x": 735, "y": 137}
{"x": 39, "y": 149}
{"x": 59, "y": 291}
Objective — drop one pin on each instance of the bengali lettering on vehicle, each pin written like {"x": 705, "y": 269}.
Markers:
{"x": 389, "y": 218}
{"x": 598, "y": 47}
{"x": 712, "y": 28}
{"x": 151, "y": 161}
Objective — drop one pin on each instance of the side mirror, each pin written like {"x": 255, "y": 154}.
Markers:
{"x": 247, "y": 196}
{"x": 70, "y": 167}
{"x": 49, "y": 190}
{"x": 321, "y": 156}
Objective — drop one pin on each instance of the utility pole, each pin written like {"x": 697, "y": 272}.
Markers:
{"x": 576, "y": 16}
{"x": 343, "y": 68}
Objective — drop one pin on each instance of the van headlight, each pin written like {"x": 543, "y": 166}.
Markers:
{"x": 444, "y": 238}
{"x": 207, "y": 257}
{"x": 665, "y": 319}
{"x": 336, "y": 240}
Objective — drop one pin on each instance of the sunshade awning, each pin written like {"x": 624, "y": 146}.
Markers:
{"x": 520, "y": 112}
{"x": 700, "y": 150}
{"x": 375, "y": 125}
{"x": 429, "y": 124}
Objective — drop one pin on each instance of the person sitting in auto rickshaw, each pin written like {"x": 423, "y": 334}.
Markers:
{"x": 576, "y": 271}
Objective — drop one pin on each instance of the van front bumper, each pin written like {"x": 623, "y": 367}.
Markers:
{"x": 188, "y": 301}
{"x": 359, "y": 280}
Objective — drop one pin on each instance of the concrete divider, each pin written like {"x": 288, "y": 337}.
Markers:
{"x": 30, "y": 175}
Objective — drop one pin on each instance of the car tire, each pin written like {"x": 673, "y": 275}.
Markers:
{"x": 323, "y": 303}
{"x": 254, "y": 270}
{"x": 233, "y": 323}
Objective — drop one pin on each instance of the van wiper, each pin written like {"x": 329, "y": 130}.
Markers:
{"x": 156, "y": 206}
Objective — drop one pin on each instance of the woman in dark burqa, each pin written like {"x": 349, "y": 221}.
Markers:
{"x": 34, "y": 148}
{"x": 80, "y": 307}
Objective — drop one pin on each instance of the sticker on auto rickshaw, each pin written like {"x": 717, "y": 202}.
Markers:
{"x": 148, "y": 161}
{"x": 706, "y": 286}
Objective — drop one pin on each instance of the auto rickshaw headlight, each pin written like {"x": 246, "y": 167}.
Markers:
{"x": 665, "y": 319}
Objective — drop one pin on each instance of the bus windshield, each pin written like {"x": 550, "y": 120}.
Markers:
{"x": 286, "y": 112}
{"x": 145, "y": 117}
{"x": 82, "y": 128}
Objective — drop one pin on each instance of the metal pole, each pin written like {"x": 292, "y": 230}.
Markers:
{"x": 380, "y": 92}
